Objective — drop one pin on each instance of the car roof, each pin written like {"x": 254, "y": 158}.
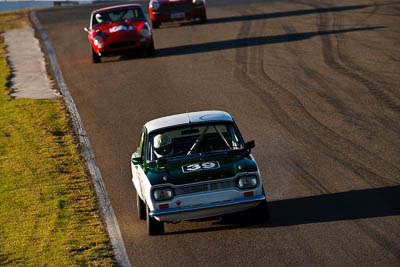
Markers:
{"x": 187, "y": 118}
{"x": 115, "y": 7}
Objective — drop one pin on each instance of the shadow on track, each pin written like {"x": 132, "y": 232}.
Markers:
{"x": 247, "y": 42}
{"x": 278, "y": 15}
{"x": 351, "y": 205}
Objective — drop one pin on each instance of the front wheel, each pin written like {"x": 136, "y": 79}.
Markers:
{"x": 141, "y": 208}
{"x": 154, "y": 227}
{"x": 151, "y": 51}
{"x": 203, "y": 17}
{"x": 261, "y": 212}
{"x": 95, "y": 57}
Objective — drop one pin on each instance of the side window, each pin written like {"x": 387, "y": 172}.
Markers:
{"x": 138, "y": 13}
{"x": 139, "y": 149}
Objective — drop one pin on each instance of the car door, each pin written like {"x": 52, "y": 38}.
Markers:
{"x": 137, "y": 168}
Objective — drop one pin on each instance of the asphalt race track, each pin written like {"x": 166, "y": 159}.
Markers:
{"x": 315, "y": 82}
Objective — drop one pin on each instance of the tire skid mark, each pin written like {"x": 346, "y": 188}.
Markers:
{"x": 341, "y": 41}
{"x": 370, "y": 14}
{"x": 330, "y": 61}
{"x": 356, "y": 168}
{"x": 371, "y": 178}
{"x": 392, "y": 247}
{"x": 328, "y": 56}
{"x": 350, "y": 116}
{"x": 271, "y": 101}
{"x": 242, "y": 53}
{"x": 387, "y": 98}
{"x": 309, "y": 181}
{"x": 372, "y": 87}
{"x": 282, "y": 117}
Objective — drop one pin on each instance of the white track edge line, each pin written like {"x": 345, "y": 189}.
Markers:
{"x": 104, "y": 202}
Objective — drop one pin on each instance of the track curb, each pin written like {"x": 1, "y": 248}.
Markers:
{"x": 101, "y": 192}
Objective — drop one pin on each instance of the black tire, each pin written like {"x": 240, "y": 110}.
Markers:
{"x": 151, "y": 51}
{"x": 154, "y": 227}
{"x": 261, "y": 212}
{"x": 141, "y": 208}
{"x": 203, "y": 17}
{"x": 95, "y": 57}
{"x": 155, "y": 24}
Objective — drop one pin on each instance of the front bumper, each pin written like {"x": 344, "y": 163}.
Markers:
{"x": 120, "y": 47}
{"x": 208, "y": 210}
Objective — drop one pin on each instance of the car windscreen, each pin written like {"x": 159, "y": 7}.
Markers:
{"x": 193, "y": 139}
{"x": 109, "y": 16}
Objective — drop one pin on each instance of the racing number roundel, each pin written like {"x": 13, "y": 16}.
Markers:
{"x": 200, "y": 166}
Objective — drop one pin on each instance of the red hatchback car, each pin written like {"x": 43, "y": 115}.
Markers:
{"x": 172, "y": 10}
{"x": 119, "y": 29}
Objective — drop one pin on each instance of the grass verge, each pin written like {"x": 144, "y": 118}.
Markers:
{"x": 48, "y": 213}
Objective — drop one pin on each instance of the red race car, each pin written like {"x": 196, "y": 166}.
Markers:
{"x": 118, "y": 30}
{"x": 172, "y": 10}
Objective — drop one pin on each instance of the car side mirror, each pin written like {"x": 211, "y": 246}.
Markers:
{"x": 136, "y": 158}
{"x": 249, "y": 145}
{"x": 86, "y": 29}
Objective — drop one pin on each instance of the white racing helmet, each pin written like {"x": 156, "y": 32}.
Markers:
{"x": 99, "y": 18}
{"x": 162, "y": 145}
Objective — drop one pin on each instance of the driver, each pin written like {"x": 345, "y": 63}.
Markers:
{"x": 102, "y": 18}
{"x": 162, "y": 145}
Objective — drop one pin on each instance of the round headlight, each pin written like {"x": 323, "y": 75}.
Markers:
{"x": 97, "y": 40}
{"x": 155, "y": 5}
{"x": 163, "y": 194}
{"x": 246, "y": 182}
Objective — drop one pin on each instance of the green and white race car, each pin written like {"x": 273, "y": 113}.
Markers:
{"x": 193, "y": 166}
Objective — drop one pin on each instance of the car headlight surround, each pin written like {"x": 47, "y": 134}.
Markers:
{"x": 247, "y": 182}
{"x": 145, "y": 31}
{"x": 98, "y": 40}
{"x": 163, "y": 193}
{"x": 197, "y": 2}
{"x": 155, "y": 5}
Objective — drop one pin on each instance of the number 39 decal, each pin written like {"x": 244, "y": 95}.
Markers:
{"x": 200, "y": 166}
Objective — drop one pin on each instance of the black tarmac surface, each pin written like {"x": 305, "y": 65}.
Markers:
{"x": 315, "y": 83}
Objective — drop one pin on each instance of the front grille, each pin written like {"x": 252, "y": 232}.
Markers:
{"x": 207, "y": 187}
{"x": 122, "y": 44}
{"x": 176, "y": 9}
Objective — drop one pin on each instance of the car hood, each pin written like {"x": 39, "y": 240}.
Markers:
{"x": 174, "y": 1}
{"x": 199, "y": 168}
{"x": 120, "y": 26}
{"x": 171, "y": 3}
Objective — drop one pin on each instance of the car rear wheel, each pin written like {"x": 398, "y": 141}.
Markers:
{"x": 141, "y": 208}
{"x": 95, "y": 57}
{"x": 154, "y": 227}
{"x": 155, "y": 24}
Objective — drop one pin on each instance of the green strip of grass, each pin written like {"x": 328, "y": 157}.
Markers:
{"x": 48, "y": 213}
